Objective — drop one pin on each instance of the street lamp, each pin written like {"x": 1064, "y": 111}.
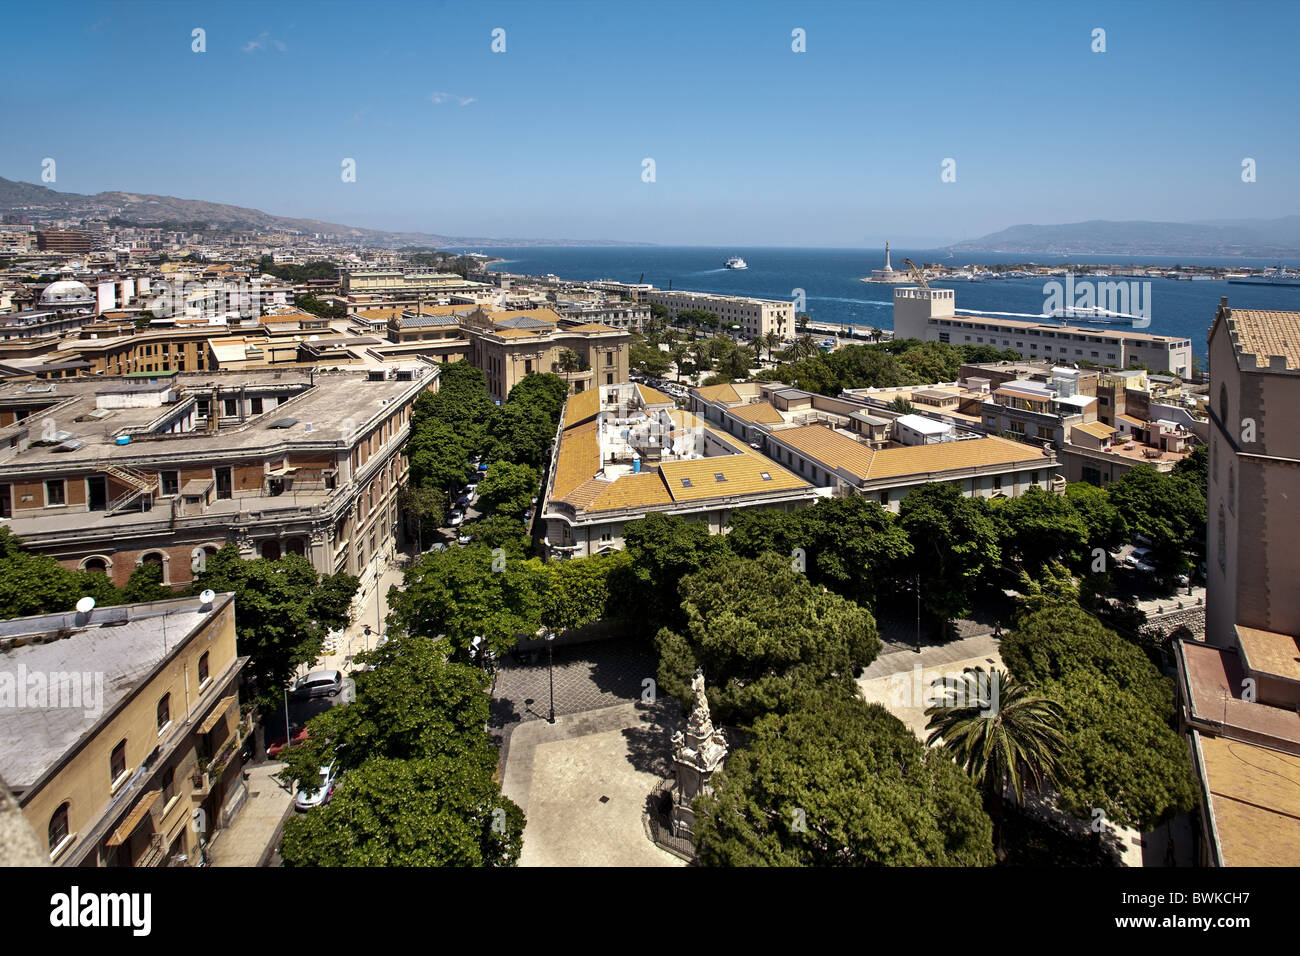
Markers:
{"x": 918, "y": 612}
{"x": 550, "y": 672}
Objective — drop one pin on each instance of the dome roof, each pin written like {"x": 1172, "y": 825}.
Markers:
{"x": 67, "y": 290}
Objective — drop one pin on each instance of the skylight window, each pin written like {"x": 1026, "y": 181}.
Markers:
{"x": 766, "y": 476}
{"x": 719, "y": 476}
{"x": 686, "y": 483}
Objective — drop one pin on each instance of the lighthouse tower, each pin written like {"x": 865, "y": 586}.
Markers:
{"x": 888, "y": 267}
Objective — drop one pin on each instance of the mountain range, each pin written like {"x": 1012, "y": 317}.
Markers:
{"x": 1263, "y": 238}
{"x": 41, "y": 202}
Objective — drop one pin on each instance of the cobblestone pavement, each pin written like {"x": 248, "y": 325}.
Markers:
{"x": 587, "y": 677}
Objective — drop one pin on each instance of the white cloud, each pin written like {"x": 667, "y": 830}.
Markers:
{"x": 264, "y": 41}
{"x": 440, "y": 98}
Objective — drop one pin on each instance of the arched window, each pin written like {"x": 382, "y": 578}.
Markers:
{"x": 58, "y": 827}
{"x": 296, "y": 546}
{"x": 1232, "y": 488}
{"x": 98, "y": 565}
{"x": 1223, "y": 405}
{"x": 271, "y": 550}
{"x": 164, "y": 712}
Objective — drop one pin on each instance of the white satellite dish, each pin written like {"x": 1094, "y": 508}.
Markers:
{"x": 207, "y": 596}
{"x": 86, "y": 605}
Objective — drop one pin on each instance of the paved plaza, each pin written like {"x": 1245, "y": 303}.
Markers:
{"x": 584, "y": 783}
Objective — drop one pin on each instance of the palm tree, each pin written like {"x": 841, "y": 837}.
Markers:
{"x": 805, "y": 347}
{"x": 678, "y": 353}
{"x": 1000, "y": 733}
{"x": 569, "y": 361}
{"x": 771, "y": 339}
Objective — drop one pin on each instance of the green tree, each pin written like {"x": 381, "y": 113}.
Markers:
{"x": 416, "y": 785}
{"x": 1000, "y": 733}
{"x": 569, "y": 362}
{"x": 664, "y": 549}
{"x": 508, "y": 489}
{"x": 284, "y": 610}
{"x": 1039, "y": 527}
{"x": 500, "y": 531}
{"x": 1106, "y": 526}
{"x": 954, "y": 546}
{"x": 840, "y": 782}
{"x": 464, "y": 593}
{"x": 763, "y": 635}
{"x": 145, "y": 584}
{"x": 1169, "y": 509}
{"x": 520, "y": 435}
{"x": 33, "y": 584}
{"x": 579, "y": 590}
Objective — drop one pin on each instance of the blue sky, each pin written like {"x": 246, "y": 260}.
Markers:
{"x": 753, "y": 143}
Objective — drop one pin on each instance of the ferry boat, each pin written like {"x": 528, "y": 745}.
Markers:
{"x": 735, "y": 262}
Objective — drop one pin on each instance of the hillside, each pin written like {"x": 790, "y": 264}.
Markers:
{"x": 1241, "y": 237}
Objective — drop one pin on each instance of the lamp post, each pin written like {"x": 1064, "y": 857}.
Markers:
{"x": 550, "y": 672}
{"x": 918, "y": 612}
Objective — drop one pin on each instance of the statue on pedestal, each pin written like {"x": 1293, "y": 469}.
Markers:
{"x": 697, "y": 754}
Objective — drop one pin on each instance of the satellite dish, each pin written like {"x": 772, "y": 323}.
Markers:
{"x": 86, "y": 605}
{"x": 207, "y": 596}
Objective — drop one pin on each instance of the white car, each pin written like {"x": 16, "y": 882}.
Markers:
{"x": 319, "y": 795}
{"x": 457, "y": 517}
{"x": 464, "y": 539}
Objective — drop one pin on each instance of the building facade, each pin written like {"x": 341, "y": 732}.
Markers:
{"x": 122, "y": 731}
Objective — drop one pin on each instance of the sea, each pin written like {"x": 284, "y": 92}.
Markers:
{"x": 834, "y": 292}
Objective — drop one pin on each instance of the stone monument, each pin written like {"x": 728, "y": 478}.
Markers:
{"x": 697, "y": 754}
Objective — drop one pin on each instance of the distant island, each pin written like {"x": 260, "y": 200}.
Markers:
{"x": 39, "y": 203}
{"x": 1261, "y": 238}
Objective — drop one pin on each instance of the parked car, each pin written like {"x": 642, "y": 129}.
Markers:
{"x": 438, "y": 546}
{"x": 462, "y": 502}
{"x": 457, "y": 517}
{"x": 319, "y": 795}
{"x": 1137, "y": 556}
{"x": 472, "y": 489}
{"x": 279, "y": 745}
{"x": 464, "y": 539}
{"x": 319, "y": 684}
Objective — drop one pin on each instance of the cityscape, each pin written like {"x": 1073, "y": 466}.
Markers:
{"x": 590, "y": 512}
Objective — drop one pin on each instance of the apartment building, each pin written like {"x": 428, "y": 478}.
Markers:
{"x": 399, "y": 282}
{"x": 63, "y": 241}
{"x": 509, "y": 345}
{"x": 625, "y": 451}
{"x": 753, "y": 317}
{"x": 121, "y": 730}
{"x": 107, "y": 474}
{"x": 849, "y": 448}
{"x": 929, "y": 315}
{"x": 628, "y": 316}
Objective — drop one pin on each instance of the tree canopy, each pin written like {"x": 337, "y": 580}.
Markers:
{"x": 764, "y": 635}
{"x": 840, "y": 782}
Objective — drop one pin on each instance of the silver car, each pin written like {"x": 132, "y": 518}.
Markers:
{"x": 319, "y": 795}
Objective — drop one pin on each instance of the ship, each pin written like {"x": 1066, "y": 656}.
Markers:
{"x": 735, "y": 262}
{"x": 1278, "y": 276}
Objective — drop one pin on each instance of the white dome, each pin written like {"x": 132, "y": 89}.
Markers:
{"x": 67, "y": 290}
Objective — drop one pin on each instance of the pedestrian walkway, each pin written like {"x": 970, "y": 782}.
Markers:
{"x": 353, "y": 639}
{"x": 253, "y": 834}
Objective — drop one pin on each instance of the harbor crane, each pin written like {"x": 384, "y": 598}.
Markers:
{"x": 917, "y": 274}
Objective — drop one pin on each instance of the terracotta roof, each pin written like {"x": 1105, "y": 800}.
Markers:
{"x": 631, "y": 491}
{"x": 829, "y": 447}
{"x": 652, "y": 396}
{"x": 839, "y": 451}
{"x": 718, "y": 393}
{"x": 1095, "y": 429}
{"x": 758, "y": 412}
{"x": 1269, "y": 652}
{"x": 581, "y": 407}
{"x": 742, "y": 474}
{"x": 590, "y": 327}
{"x": 578, "y": 459}
{"x": 1125, "y": 417}
{"x": 1261, "y": 334}
{"x": 515, "y": 333}
{"x": 1255, "y": 801}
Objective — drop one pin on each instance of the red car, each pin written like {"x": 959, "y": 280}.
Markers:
{"x": 279, "y": 747}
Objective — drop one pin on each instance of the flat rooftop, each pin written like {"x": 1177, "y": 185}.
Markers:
{"x": 1213, "y": 689}
{"x": 112, "y": 652}
{"x": 1254, "y": 796}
